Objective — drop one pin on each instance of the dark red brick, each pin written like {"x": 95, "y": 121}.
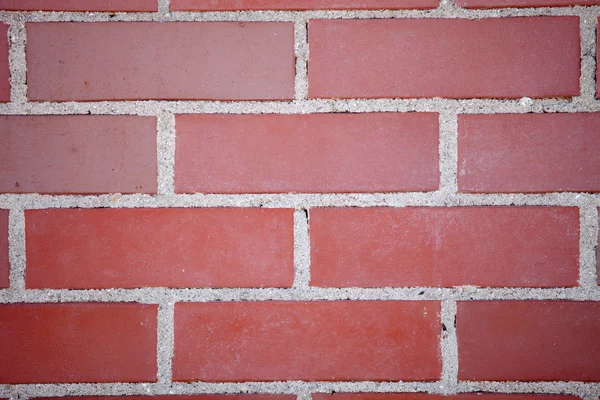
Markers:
{"x": 482, "y": 246}
{"x": 529, "y": 153}
{"x": 375, "y": 152}
{"x": 79, "y": 5}
{"x": 528, "y": 340}
{"x": 77, "y": 342}
{"x": 233, "y": 5}
{"x": 4, "y": 264}
{"x": 453, "y": 58}
{"x": 78, "y": 154}
{"x": 316, "y": 340}
{"x": 160, "y": 61}
{"x": 177, "y": 247}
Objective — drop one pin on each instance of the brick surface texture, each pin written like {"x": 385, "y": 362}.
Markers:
{"x": 299, "y": 200}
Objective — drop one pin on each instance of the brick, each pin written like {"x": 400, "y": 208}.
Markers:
{"x": 160, "y": 61}
{"x": 316, "y": 340}
{"x": 445, "y": 247}
{"x": 452, "y": 58}
{"x": 427, "y": 396}
{"x": 4, "y": 264}
{"x": 77, "y": 342}
{"x": 523, "y": 3}
{"x": 528, "y": 341}
{"x": 4, "y": 69}
{"x": 530, "y": 153}
{"x": 78, "y": 154}
{"x": 79, "y": 5}
{"x": 135, "y": 248}
{"x": 375, "y": 152}
{"x": 232, "y": 5}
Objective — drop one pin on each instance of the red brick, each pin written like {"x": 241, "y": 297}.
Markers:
{"x": 454, "y": 58}
{"x": 528, "y": 341}
{"x": 78, "y": 154}
{"x": 4, "y": 264}
{"x": 162, "y": 61}
{"x": 4, "y": 71}
{"x": 427, "y": 396}
{"x": 133, "y": 248}
{"x": 317, "y": 340}
{"x": 482, "y": 246}
{"x": 77, "y": 342}
{"x": 79, "y": 5}
{"x": 523, "y": 3}
{"x": 377, "y": 152}
{"x": 529, "y": 153}
{"x": 232, "y": 5}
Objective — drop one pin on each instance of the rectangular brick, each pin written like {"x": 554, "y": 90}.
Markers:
{"x": 77, "y": 342}
{"x": 529, "y": 153}
{"x": 427, "y": 396}
{"x": 528, "y": 340}
{"x": 4, "y": 68}
{"x": 316, "y": 340}
{"x": 78, "y": 154}
{"x": 445, "y": 247}
{"x": 4, "y": 263}
{"x": 375, "y": 152}
{"x": 233, "y": 5}
{"x": 452, "y": 58}
{"x": 160, "y": 61}
{"x": 79, "y": 5}
{"x": 136, "y": 248}
{"x": 523, "y": 3}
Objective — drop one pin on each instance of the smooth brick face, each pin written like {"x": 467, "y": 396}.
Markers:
{"x": 79, "y": 5}
{"x": 77, "y": 342}
{"x": 482, "y": 246}
{"x": 523, "y": 3}
{"x": 132, "y": 248}
{"x": 4, "y": 264}
{"x": 318, "y": 340}
{"x": 453, "y": 58}
{"x": 4, "y": 71}
{"x": 162, "y": 61}
{"x": 232, "y": 5}
{"x": 78, "y": 154}
{"x": 307, "y": 153}
{"x": 426, "y": 396}
{"x": 528, "y": 340}
{"x": 529, "y": 153}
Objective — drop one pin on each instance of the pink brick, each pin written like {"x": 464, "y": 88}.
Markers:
{"x": 161, "y": 61}
{"x": 453, "y": 58}
{"x": 232, "y": 5}
{"x": 79, "y": 5}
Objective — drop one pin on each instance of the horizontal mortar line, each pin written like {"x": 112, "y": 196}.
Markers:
{"x": 292, "y": 387}
{"x": 309, "y": 106}
{"x": 157, "y": 295}
{"x": 291, "y": 200}
{"x": 287, "y": 16}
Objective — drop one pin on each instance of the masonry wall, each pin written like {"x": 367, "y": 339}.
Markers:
{"x": 311, "y": 199}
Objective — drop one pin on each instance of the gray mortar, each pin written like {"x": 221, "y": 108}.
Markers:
{"x": 445, "y": 196}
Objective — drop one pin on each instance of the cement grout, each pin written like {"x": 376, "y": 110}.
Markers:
{"x": 166, "y": 341}
{"x": 587, "y": 244}
{"x": 588, "y": 25}
{"x": 448, "y": 151}
{"x": 16, "y": 250}
{"x": 164, "y": 8}
{"x": 301, "y": 52}
{"x": 17, "y": 62}
{"x": 301, "y": 249}
{"x": 449, "y": 348}
{"x": 165, "y": 153}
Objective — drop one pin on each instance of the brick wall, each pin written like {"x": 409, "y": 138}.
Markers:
{"x": 299, "y": 199}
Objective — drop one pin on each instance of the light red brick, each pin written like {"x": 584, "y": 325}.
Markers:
{"x": 4, "y": 264}
{"x": 528, "y": 340}
{"x": 445, "y": 247}
{"x": 78, "y": 154}
{"x": 523, "y": 3}
{"x": 452, "y": 58}
{"x": 316, "y": 340}
{"x": 376, "y": 152}
{"x": 4, "y": 69}
{"x": 232, "y": 5}
{"x": 77, "y": 342}
{"x": 160, "y": 61}
{"x": 177, "y": 247}
{"x": 79, "y": 5}
{"x": 529, "y": 153}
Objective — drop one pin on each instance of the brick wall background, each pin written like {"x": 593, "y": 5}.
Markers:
{"x": 271, "y": 199}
